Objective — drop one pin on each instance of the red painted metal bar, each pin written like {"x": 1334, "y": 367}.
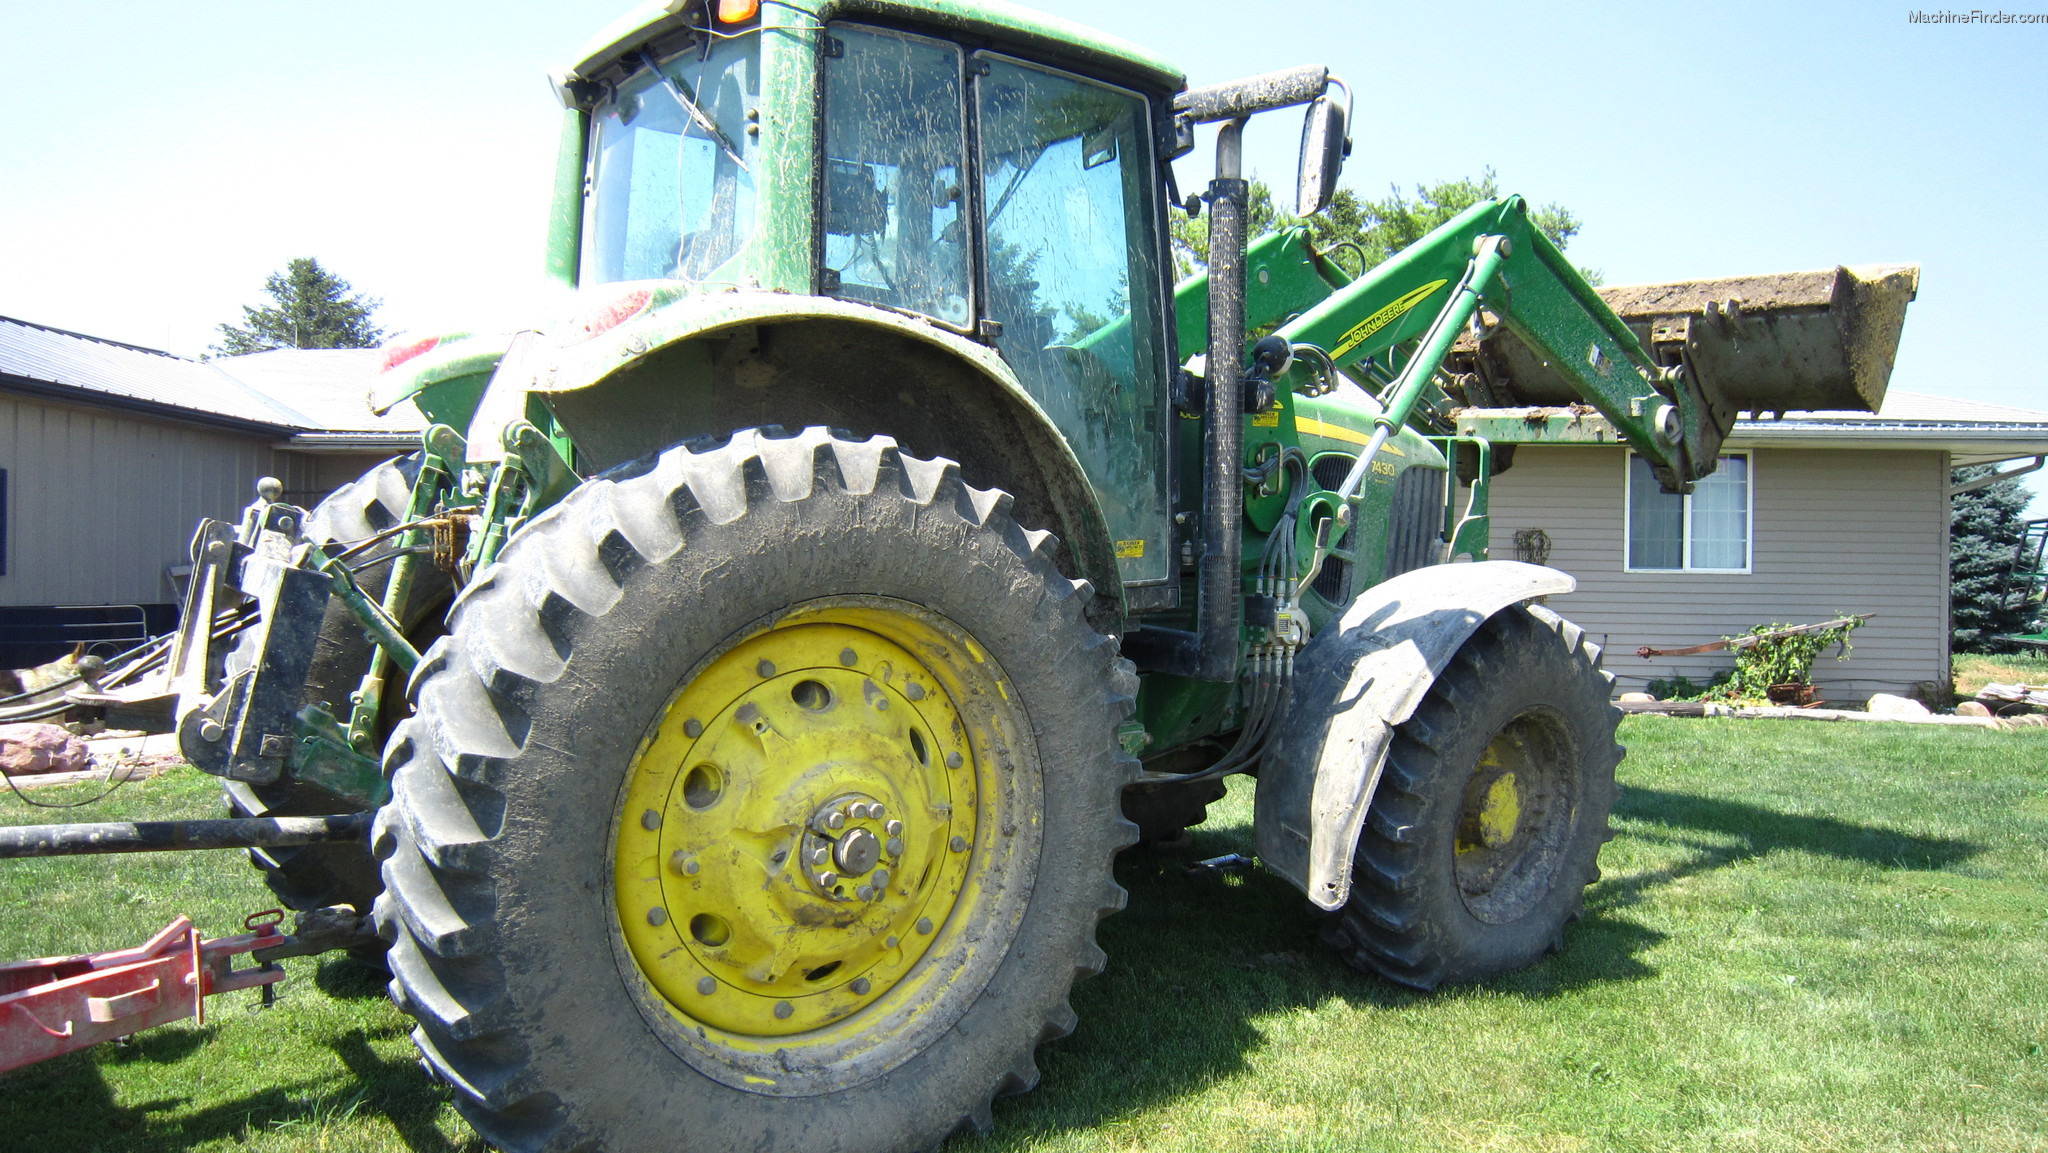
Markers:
{"x": 59, "y": 1005}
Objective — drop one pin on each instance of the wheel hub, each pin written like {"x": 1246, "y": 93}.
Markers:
{"x": 796, "y": 829}
{"x": 1515, "y": 819}
{"x": 849, "y": 848}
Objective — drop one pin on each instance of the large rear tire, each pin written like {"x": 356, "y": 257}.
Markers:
{"x": 760, "y": 797}
{"x": 1491, "y": 812}
{"x": 342, "y": 873}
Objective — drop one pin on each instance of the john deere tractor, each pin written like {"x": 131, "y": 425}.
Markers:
{"x": 754, "y": 673}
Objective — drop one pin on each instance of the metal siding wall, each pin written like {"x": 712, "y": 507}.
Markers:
{"x": 1836, "y": 532}
{"x": 100, "y": 502}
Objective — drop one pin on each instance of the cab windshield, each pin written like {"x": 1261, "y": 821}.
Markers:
{"x": 672, "y": 196}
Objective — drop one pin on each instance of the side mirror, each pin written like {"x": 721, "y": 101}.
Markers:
{"x": 1324, "y": 145}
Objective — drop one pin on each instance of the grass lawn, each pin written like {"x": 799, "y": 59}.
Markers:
{"x": 1973, "y": 672}
{"x": 1809, "y": 937}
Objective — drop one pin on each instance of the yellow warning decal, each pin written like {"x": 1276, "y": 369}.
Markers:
{"x": 1267, "y": 419}
{"x": 1130, "y": 549}
{"x": 1364, "y": 329}
{"x": 1308, "y": 426}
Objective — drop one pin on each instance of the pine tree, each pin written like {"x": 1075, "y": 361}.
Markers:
{"x": 1985, "y": 527}
{"x": 314, "y": 309}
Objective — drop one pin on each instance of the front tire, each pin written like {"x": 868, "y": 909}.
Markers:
{"x": 760, "y": 797}
{"x": 1491, "y": 811}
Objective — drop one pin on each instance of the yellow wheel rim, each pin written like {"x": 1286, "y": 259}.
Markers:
{"x": 801, "y": 825}
{"x": 1515, "y": 819}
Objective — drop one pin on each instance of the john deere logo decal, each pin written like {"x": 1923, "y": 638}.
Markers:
{"x": 1363, "y": 331}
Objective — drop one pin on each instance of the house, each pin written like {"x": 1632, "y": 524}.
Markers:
{"x": 110, "y": 454}
{"x": 1812, "y": 516}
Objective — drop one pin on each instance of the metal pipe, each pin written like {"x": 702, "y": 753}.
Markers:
{"x": 1237, "y": 99}
{"x": 164, "y": 836}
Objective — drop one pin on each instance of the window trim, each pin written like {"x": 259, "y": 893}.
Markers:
{"x": 1628, "y": 459}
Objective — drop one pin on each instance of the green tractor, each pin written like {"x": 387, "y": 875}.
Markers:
{"x": 755, "y": 673}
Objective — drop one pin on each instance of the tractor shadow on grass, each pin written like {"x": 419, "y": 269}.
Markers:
{"x": 1200, "y": 964}
{"x": 1720, "y": 833}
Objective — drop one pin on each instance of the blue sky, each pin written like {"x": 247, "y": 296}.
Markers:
{"x": 159, "y": 161}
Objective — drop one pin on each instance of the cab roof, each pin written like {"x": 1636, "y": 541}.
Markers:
{"x": 1050, "y": 39}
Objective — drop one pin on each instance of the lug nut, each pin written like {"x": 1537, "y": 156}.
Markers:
{"x": 835, "y": 820}
{"x": 828, "y": 879}
{"x": 876, "y": 811}
{"x": 895, "y": 846}
{"x": 881, "y": 879}
{"x": 893, "y": 828}
{"x": 864, "y": 893}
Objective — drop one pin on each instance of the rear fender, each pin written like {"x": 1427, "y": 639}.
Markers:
{"x": 1352, "y": 685}
{"x": 710, "y": 364}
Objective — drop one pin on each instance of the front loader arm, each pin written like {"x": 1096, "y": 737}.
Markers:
{"x": 1489, "y": 269}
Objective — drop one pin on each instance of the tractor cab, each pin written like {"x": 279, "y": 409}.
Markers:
{"x": 998, "y": 175}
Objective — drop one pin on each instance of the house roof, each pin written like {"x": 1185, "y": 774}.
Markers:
{"x": 329, "y": 387}
{"x": 295, "y": 393}
{"x": 1974, "y": 432}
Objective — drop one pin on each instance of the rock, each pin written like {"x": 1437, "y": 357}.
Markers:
{"x": 1637, "y": 698}
{"x": 1887, "y": 705}
{"x": 34, "y": 748}
{"x": 1973, "y": 709}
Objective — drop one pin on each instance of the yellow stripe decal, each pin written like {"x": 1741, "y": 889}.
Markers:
{"x": 1339, "y": 432}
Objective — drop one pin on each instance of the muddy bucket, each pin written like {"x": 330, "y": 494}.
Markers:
{"x": 1786, "y": 341}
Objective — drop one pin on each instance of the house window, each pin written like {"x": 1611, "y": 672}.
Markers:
{"x": 1707, "y": 531}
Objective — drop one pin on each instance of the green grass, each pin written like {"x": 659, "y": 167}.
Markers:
{"x": 1809, "y": 937}
{"x": 1974, "y": 671}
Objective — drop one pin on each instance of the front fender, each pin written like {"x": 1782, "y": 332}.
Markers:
{"x": 1352, "y": 685}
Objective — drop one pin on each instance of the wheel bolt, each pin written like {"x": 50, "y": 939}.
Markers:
{"x": 876, "y": 811}
{"x": 864, "y": 893}
{"x": 860, "y": 986}
{"x": 828, "y": 879}
{"x": 707, "y": 986}
{"x": 835, "y": 820}
{"x": 895, "y": 846}
{"x": 881, "y": 879}
{"x": 959, "y": 844}
{"x": 819, "y": 855}
{"x": 893, "y": 828}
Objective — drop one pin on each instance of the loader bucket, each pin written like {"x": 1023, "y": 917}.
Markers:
{"x": 1792, "y": 340}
